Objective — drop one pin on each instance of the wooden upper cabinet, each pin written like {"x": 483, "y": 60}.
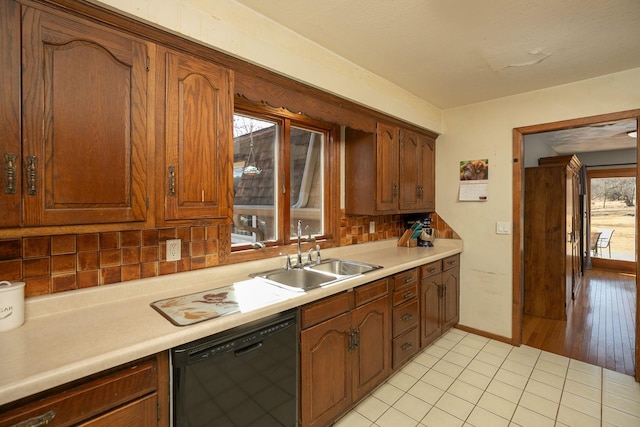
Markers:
{"x": 84, "y": 122}
{"x": 10, "y": 151}
{"x": 198, "y": 150}
{"x": 387, "y": 168}
{"x": 417, "y": 172}
{"x": 392, "y": 171}
{"x": 427, "y": 181}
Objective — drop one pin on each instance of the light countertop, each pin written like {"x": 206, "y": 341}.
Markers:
{"x": 70, "y": 335}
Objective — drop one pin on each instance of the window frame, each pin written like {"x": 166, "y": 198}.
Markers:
{"x": 284, "y": 243}
{"x": 609, "y": 172}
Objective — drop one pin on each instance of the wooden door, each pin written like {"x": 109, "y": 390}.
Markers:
{"x": 427, "y": 176}
{"x": 450, "y": 289}
{"x": 10, "y": 151}
{"x": 387, "y": 168}
{"x": 371, "y": 357}
{"x": 410, "y": 170}
{"x": 430, "y": 302}
{"x": 570, "y": 238}
{"x": 545, "y": 243}
{"x": 325, "y": 371}
{"x": 198, "y": 147}
{"x": 84, "y": 122}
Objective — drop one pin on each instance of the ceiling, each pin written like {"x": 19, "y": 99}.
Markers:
{"x": 611, "y": 136}
{"x": 457, "y": 52}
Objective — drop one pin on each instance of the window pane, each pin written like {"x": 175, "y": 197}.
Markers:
{"x": 254, "y": 175}
{"x": 613, "y": 208}
{"x": 306, "y": 181}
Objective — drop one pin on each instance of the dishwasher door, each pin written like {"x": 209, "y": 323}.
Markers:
{"x": 244, "y": 377}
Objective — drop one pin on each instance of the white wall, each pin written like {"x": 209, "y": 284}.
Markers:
{"x": 234, "y": 29}
{"x": 481, "y": 130}
{"x": 484, "y": 130}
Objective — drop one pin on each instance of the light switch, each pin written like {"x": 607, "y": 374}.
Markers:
{"x": 372, "y": 227}
{"x": 503, "y": 227}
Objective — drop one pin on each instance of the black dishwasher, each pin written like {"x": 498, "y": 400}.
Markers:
{"x": 246, "y": 376}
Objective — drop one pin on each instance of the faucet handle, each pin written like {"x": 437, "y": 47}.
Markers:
{"x": 287, "y": 266}
{"x": 318, "y": 258}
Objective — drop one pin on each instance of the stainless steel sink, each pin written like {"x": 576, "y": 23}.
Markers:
{"x": 342, "y": 267}
{"x": 313, "y": 276}
{"x": 297, "y": 279}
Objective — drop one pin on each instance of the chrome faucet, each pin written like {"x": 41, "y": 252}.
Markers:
{"x": 299, "y": 246}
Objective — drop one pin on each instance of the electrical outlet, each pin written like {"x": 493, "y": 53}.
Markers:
{"x": 372, "y": 227}
{"x": 174, "y": 249}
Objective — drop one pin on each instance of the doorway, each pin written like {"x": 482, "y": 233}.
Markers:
{"x": 518, "y": 212}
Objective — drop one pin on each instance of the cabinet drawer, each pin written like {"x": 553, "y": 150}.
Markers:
{"x": 319, "y": 311}
{"x": 405, "y": 346}
{"x": 90, "y": 399}
{"x": 372, "y": 291}
{"x": 142, "y": 412}
{"x": 431, "y": 269}
{"x": 405, "y": 316}
{"x": 450, "y": 262}
{"x": 405, "y": 294}
{"x": 405, "y": 279}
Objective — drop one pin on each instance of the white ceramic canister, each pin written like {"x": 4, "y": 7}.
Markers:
{"x": 11, "y": 305}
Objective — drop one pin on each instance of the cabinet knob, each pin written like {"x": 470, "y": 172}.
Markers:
{"x": 407, "y": 317}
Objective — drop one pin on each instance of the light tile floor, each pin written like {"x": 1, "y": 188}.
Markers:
{"x": 465, "y": 380}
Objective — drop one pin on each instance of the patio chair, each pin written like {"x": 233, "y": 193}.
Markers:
{"x": 604, "y": 241}
{"x": 593, "y": 242}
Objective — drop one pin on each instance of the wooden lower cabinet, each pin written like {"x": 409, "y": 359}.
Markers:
{"x": 344, "y": 351}
{"x": 439, "y": 298}
{"x": 141, "y": 412}
{"x": 135, "y": 394}
{"x": 451, "y": 288}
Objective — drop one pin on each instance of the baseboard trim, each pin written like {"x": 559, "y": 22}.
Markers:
{"x": 484, "y": 334}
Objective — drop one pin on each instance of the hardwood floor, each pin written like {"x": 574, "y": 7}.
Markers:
{"x": 600, "y": 326}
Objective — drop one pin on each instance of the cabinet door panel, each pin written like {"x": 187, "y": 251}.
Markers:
{"x": 10, "y": 192}
{"x": 410, "y": 170}
{"x": 198, "y": 125}
{"x": 427, "y": 174}
{"x": 386, "y": 168}
{"x": 84, "y": 122}
{"x": 430, "y": 309}
{"x": 371, "y": 361}
{"x": 325, "y": 371}
{"x": 451, "y": 285}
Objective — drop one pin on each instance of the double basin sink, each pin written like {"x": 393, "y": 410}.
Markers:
{"x": 327, "y": 272}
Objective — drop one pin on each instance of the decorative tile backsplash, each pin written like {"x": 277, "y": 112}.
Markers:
{"x": 50, "y": 264}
